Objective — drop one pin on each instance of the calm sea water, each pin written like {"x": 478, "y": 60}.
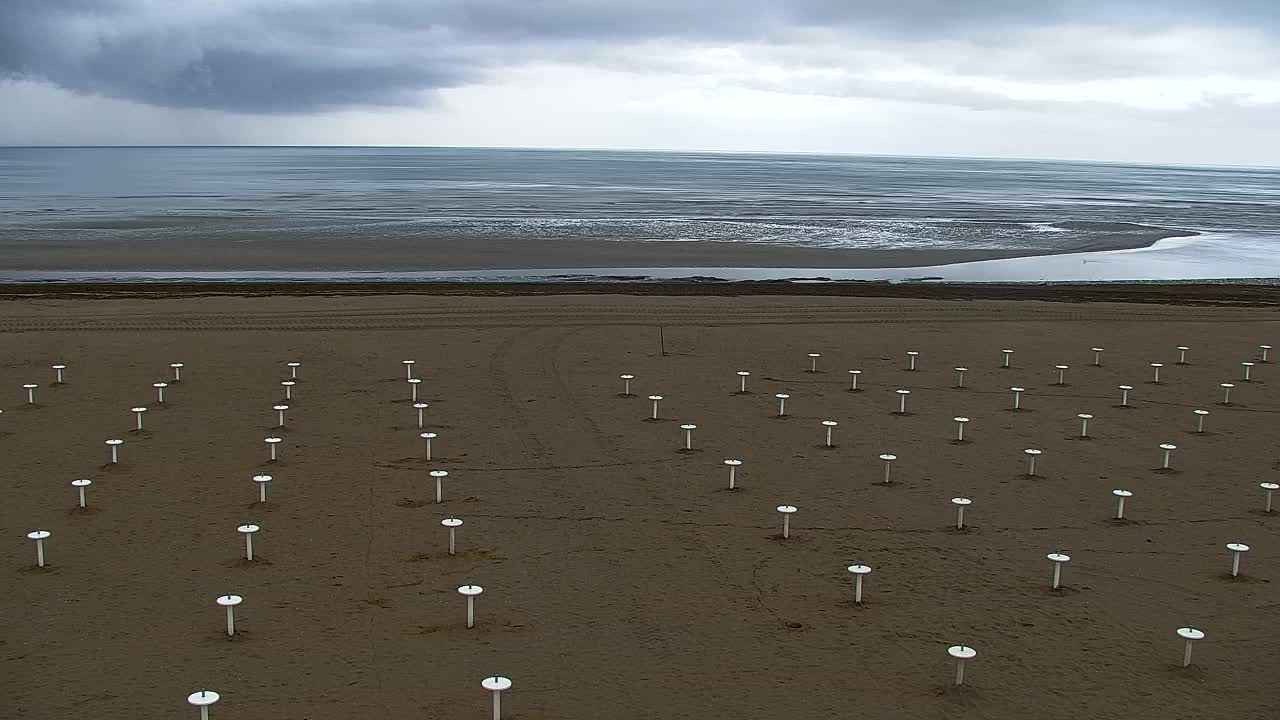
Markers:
{"x": 169, "y": 195}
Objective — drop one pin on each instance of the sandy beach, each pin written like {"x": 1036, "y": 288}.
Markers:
{"x": 622, "y": 580}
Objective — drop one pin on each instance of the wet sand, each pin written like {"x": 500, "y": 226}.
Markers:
{"x": 353, "y": 253}
{"x": 621, "y": 579}
{"x": 1234, "y": 294}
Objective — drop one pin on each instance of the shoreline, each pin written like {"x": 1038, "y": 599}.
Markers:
{"x": 1247, "y": 294}
{"x": 1205, "y": 258}
{"x": 446, "y": 254}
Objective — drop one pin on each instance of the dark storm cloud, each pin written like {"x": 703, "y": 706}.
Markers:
{"x": 279, "y": 56}
{"x": 250, "y": 62}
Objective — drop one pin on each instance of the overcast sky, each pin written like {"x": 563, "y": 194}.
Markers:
{"x": 1146, "y": 80}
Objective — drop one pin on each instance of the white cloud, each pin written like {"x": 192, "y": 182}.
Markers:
{"x": 1106, "y": 82}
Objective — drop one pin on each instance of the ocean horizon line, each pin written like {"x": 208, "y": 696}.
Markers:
{"x": 659, "y": 151}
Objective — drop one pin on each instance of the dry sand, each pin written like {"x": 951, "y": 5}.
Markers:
{"x": 621, "y": 580}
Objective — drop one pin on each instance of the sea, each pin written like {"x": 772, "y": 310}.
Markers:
{"x": 52, "y": 200}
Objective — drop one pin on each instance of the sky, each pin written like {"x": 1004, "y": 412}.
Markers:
{"x": 1178, "y": 81}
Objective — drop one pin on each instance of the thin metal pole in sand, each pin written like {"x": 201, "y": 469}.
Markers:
{"x": 160, "y": 391}
{"x": 293, "y": 369}
{"x": 787, "y": 511}
{"x": 1017, "y": 397}
{"x": 1267, "y": 489}
{"x": 138, "y": 412}
{"x": 1182, "y": 354}
{"x": 230, "y": 602}
{"x": 960, "y": 423}
{"x": 1097, "y": 356}
{"x": 1168, "y": 449}
{"x": 830, "y": 425}
{"x": 1200, "y": 415}
{"x": 280, "y": 411}
{"x": 960, "y": 371}
{"x": 439, "y": 476}
{"x": 688, "y": 429}
{"x": 858, "y": 570}
{"x": 31, "y": 392}
{"x": 453, "y": 524}
{"x": 1032, "y": 454}
{"x": 853, "y": 380}
{"x": 782, "y": 404}
{"x": 626, "y": 385}
{"x": 408, "y": 368}
{"x": 177, "y": 371}
{"x": 813, "y": 362}
{"x": 1248, "y": 367}
{"x": 1120, "y": 498}
{"x": 733, "y": 467}
{"x": 1084, "y": 425}
{"x": 655, "y": 399}
{"x": 961, "y": 503}
{"x": 413, "y": 389}
{"x": 421, "y": 408}
{"x": 115, "y": 444}
{"x": 262, "y": 481}
{"x": 742, "y": 381}
{"x": 39, "y": 536}
{"x": 961, "y": 653}
{"x": 1058, "y": 559}
{"x": 1226, "y": 392}
{"x": 1124, "y": 395}
{"x": 1062, "y": 374}
{"x": 288, "y": 389}
{"x": 203, "y": 700}
{"x": 1004, "y": 361}
{"x": 57, "y": 369}
{"x": 496, "y": 684}
{"x": 1190, "y": 635}
{"x": 80, "y": 485}
{"x": 1265, "y": 349}
{"x": 470, "y": 592}
{"x": 1237, "y": 549}
{"x": 911, "y": 360}
{"x": 888, "y": 459}
{"x": 428, "y": 437}
{"x": 1156, "y": 367}
{"x": 272, "y": 442}
{"x": 902, "y": 400}
{"x": 248, "y": 531}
